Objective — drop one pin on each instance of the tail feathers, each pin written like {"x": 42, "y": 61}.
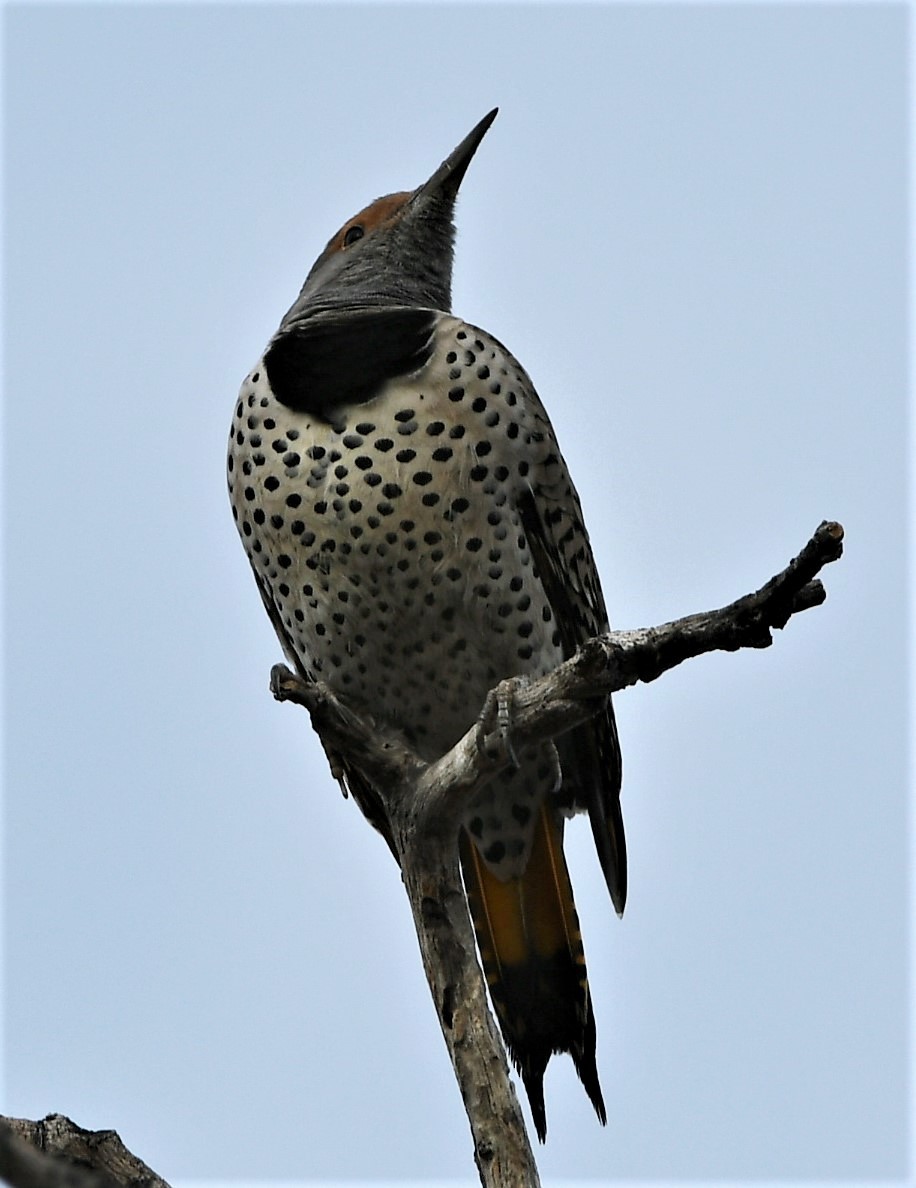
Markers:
{"x": 531, "y": 948}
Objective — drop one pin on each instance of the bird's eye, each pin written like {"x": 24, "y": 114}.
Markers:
{"x": 353, "y": 233}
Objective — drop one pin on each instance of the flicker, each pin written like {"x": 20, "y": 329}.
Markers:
{"x": 416, "y": 539}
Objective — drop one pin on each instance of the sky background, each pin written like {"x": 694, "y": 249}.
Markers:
{"x": 689, "y": 224}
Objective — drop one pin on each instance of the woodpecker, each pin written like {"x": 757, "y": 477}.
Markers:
{"x": 416, "y": 538}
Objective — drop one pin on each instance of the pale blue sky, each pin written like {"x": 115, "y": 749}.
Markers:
{"x": 689, "y": 223}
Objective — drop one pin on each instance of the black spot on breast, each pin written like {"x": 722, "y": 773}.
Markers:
{"x": 521, "y": 813}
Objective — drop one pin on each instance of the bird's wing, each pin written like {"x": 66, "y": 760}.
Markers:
{"x": 552, "y": 520}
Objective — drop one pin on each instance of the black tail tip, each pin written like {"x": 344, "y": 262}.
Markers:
{"x": 534, "y": 1087}
{"x": 587, "y": 1069}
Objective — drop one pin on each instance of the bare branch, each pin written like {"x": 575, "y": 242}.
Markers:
{"x": 425, "y": 803}
{"x": 56, "y": 1153}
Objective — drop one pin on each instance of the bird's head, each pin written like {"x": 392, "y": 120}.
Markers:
{"x": 398, "y": 250}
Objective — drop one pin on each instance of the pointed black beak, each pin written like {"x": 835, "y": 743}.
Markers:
{"x": 445, "y": 181}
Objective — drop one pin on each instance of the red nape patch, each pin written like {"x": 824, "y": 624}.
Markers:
{"x": 382, "y": 210}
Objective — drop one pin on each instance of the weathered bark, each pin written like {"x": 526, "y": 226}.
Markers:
{"x": 56, "y": 1153}
{"x": 424, "y": 804}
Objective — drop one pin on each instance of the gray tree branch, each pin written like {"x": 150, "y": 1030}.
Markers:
{"x": 425, "y": 802}
{"x": 56, "y": 1153}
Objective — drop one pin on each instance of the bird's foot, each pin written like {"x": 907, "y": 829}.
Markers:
{"x": 494, "y": 736}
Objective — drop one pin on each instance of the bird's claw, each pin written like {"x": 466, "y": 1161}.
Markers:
{"x": 495, "y": 723}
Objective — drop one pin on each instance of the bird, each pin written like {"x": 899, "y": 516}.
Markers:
{"x": 416, "y": 539}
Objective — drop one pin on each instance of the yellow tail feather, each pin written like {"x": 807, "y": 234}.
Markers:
{"x": 531, "y": 948}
